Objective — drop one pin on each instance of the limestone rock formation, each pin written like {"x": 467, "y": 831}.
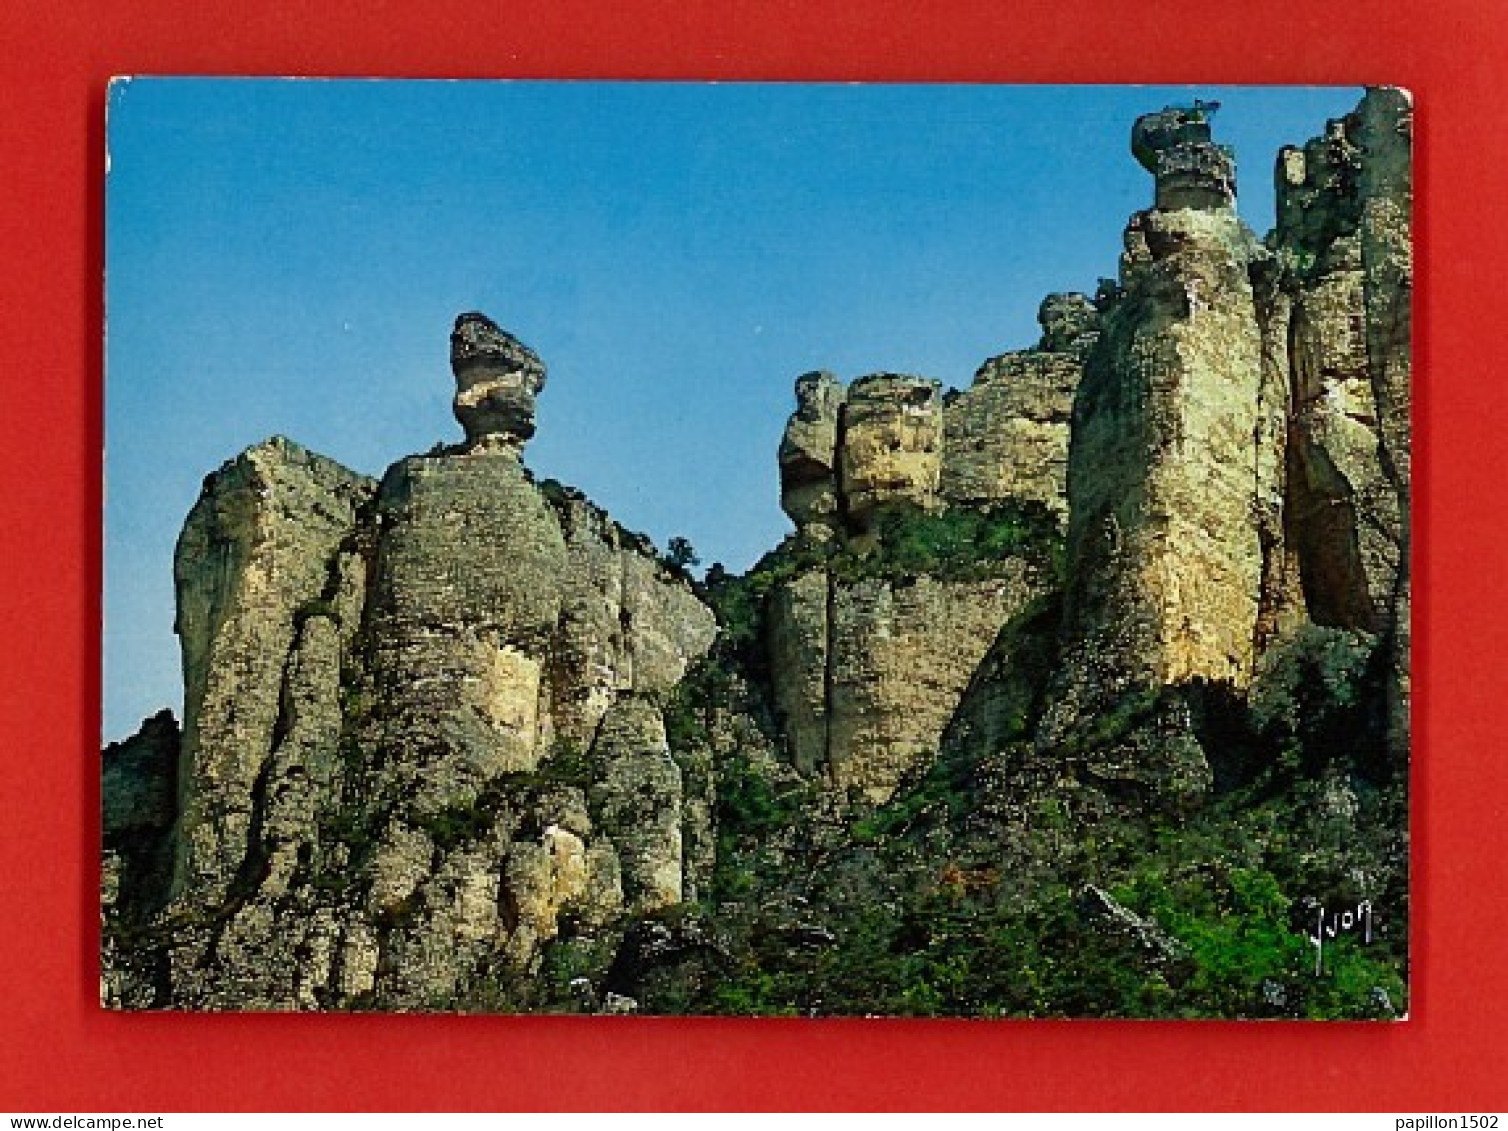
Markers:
{"x": 462, "y": 619}
{"x": 809, "y": 455}
{"x": 867, "y": 668}
{"x": 497, "y": 379}
{"x": 1228, "y": 477}
{"x": 1006, "y": 436}
{"x": 639, "y": 797}
{"x": 1190, "y": 171}
{"x": 1344, "y": 209}
{"x": 801, "y": 639}
{"x": 892, "y": 445}
{"x": 628, "y": 622}
{"x": 901, "y": 656}
{"x": 1344, "y": 519}
{"x": 888, "y": 441}
{"x": 1164, "y": 555}
{"x": 403, "y": 704}
{"x": 1070, "y": 323}
{"x": 139, "y": 779}
{"x": 867, "y": 673}
{"x": 1387, "y": 193}
{"x": 252, "y": 566}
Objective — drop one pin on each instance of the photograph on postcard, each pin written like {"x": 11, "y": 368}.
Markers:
{"x": 757, "y": 549}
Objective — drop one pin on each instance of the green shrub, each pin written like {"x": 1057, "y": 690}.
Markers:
{"x": 960, "y": 543}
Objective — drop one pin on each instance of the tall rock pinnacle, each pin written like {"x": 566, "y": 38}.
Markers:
{"x": 1129, "y": 613}
{"x": 497, "y": 379}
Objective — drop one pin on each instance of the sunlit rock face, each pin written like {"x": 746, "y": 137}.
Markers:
{"x": 1165, "y": 558}
{"x": 891, "y": 453}
{"x": 1006, "y": 436}
{"x": 809, "y": 456}
{"x": 423, "y": 723}
{"x": 457, "y": 740}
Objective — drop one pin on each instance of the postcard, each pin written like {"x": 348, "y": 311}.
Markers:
{"x": 757, "y": 549}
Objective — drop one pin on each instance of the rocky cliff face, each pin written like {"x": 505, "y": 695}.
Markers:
{"x": 868, "y": 662}
{"x": 254, "y": 555}
{"x": 1345, "y": 202}
{"x": 1058, "y": 681}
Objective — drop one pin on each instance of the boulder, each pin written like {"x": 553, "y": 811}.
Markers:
{"x": 891, "y": 452}
{"x": 497, "y": 381}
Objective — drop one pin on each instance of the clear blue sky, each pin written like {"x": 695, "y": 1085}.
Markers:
{"x": 287, "y": 257}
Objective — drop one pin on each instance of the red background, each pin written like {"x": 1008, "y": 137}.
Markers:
{"x": 59, "y": 1052}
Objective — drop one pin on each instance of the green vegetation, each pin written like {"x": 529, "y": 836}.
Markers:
{"x": 1316, "y": 701}
{"x": 459, "y": 824}
{"x": 755, "y": 801}
{"x": 1128, "y": 713}
{"x": 968, "y": 892}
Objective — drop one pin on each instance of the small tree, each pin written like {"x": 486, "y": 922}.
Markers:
{"x": 681, "y": 553}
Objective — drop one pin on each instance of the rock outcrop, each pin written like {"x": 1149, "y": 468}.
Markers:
{"x": 1344, "y": 209}
{"x": 867, "y": 673}
{"x": 139, "y": 779}
{"x": 1067, "y": 661}
{"x": 891, "y": 454}
{"x": 1006, "y": 436}
{"x": 1189, "y": 170}
{"x": 462, "y": 620}
{"x": 252, "y": 565}
{"x": 1387, "y": 256}
{"x": 1344, "y": 516}
{"x": 1227, "y": 478}
{"x": 867, "y": 666}
{"x": 1165, "y": 561}
{"x": 629, "y": 623}
{"x": 888, "y": 440}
